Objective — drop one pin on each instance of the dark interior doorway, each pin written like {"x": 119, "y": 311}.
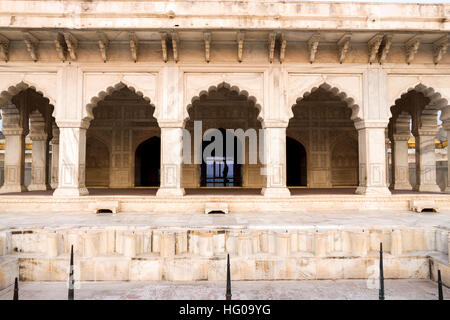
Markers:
{"x": 221, "y": 170}
{"x": 295, "y": 163}
{"x": 147, "y": 163}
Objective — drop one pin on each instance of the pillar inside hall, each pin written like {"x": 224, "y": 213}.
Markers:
{"x": 400, "y": 165}
{"x": 14, "y": 130}
{"x": 275, "y": 159}
{"x": 446, "y": 125}
{"x": 426, "y": 154}
{"x": 55, "y": 156}
{"x": 72, "y": 158}
{"x": 372, "y": 158}
{"x": 171, "y": 160}
{"x": 40, "y": 152}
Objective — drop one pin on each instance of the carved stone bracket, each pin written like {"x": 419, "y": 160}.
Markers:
{"x": 103, "y": 44}
{"x": 374, "y": 46}
{"x": 272, "y": 38}
{"x": 4, "y": 48}
{"x": 32, "y": 44}
{"x": 385, "y": 47}
{"x": 440, "y": 48}
{"x": 344, "y": 46}
{"x": 164, "y": 37}
{"x": 411, "y": 48}
{"x": 240, "y": 42}
{"x": 60, "y": 46}
{"x": 72, "y": 45}
{"x": 313, "y": 44}
{"x": 175, "y": 41}
{"x": 207, "y": 38}
{"x": 282, "y": 47}
{"x": 134, "y": 46}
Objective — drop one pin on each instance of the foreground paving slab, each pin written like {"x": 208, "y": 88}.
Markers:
{"x": 241, "y": 290}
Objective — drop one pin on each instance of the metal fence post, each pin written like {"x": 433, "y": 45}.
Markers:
{"x": 228, "y": 294}
{"x": 16, "y": 289}
{"x": 71, "y": 279}
{"x": 381, "y": 290}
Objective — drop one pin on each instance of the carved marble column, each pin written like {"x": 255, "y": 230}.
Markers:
{"x": 14, "y": 164}
{"x": 372, "y": 158}
{"x": 275, "y": 159}
{"x": 55, "y": 157}
{"x": 40, "y": 153}
{"x": 171, "y": 160}
{"x": 446, "y": 125}
{"x": 400, "y": 166}
{"x": 426, "y": 160}
{"x": 72, "y": 159}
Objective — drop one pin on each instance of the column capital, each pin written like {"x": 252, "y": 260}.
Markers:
{"x": 274, "y": 124}
{"x": 401, "y": 137}
{"x": 170, "y": 124}
{"x": 426, "y": 132}
{"x": 366, "y": 124}
{"x": 82, "y": 124}
{"x": 14, "y": 131}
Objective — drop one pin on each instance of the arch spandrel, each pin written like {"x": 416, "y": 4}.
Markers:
{"x": 214, "y": 88}
{"x": 98, "y": 86}
{"x": 249, "y": 84}
{"x": 437, "y": 88}
{"x": 12, "y": 84}
{"x": 348, "y": 88}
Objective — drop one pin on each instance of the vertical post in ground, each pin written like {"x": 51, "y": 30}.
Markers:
{"x": 381, "y": 290}
{"x": 16, "y": 289}
{"x": 71, "y": 279}
{"x": 228, "y": 294}
{"x": 441, "y": 295}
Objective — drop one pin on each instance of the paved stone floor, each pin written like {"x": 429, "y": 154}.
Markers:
{"x": 258, "y": 290}
{"x": 281, "y": 221}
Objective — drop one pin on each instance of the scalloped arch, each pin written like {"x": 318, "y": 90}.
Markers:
{"x": 226, "y": 86}
{"x": 14, "y": 89}
{"x": 109, "y": 90}
{"x": 336, "y": 91}
{"x": 437, "y": 102}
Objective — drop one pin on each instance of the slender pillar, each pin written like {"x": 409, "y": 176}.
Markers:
{"x": 171, "y": 161}
{"x": 14, "y": 164}
{"x": 426, "y": 160}
{"x": 400, "y": 172}
{"x": 372, "y": 158}
{"x": 72, "y": 159}
{"x": 40, "y": 154}
{"x": 275, "y": 159}
{"x": 55, "y": 156}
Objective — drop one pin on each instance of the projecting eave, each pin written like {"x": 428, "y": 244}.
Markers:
{"x": 213, "y": 14}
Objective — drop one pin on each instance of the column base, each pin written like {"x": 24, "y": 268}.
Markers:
{"x": 13, "y": 188}
{"x": 401, "y": 186}
{"x": 54, "y": 185}
{"x": 39, "y": 187}
{"x": 377, "y": 191}
{"x": 170, "y": 192}
{"x": 427, "y": 188}
{"x": 70, "y": 192}
{"x": 276, "y": 192}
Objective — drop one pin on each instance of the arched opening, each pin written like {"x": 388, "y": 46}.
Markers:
{"x": 234, "y": 116}
{"x": 417, "y": 141}
{"x": 27, "y": 131}
{"x": 122, "y": 120}
{"x": 296, "y": 168}
{"x": 97, "y": 164}
{"x": 323, "y": 121}
{"x": 147, "y": 163}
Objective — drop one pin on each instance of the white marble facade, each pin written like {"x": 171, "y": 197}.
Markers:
{"x": 336, "y": 92}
